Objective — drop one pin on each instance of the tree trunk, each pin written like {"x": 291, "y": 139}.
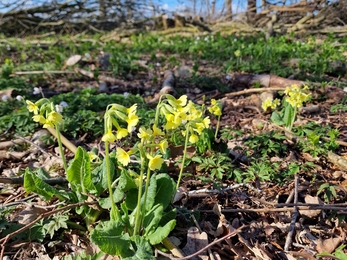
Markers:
{"x": 228, "y": 5}
{"x": 102, "y": 9}
{"x": 251, "y": 10}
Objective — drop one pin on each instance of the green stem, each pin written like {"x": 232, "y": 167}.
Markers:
{"x": 146, "y": 192}
{"x": 138, "y": 218}
{"x": 156, "y": 118}
{"x": 115, "y": 213}
{"x": 217, "y": 127}
{"x": 61, "y": 147}
{"x": 184, "y": 157}
{"x": 293, "y": 119}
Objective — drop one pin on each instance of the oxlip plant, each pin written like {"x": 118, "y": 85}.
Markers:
{"x": 295, "y": 96}
{"x": 139, "y": 195}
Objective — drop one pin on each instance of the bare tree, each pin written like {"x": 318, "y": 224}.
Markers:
{"x": 228, "y": 6}
{"x": 251, "y": 10}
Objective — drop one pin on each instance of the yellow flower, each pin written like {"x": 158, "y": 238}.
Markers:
{"x": 40, "y": 119}
{"x": 193, "y": 138}
{"x": 121, "y": 132}
{"x": 93, "y": 156}
{"x": 237, "y": 53}
{"x": 48, "y": 124}
{"x": 181, "y": 102}
{"x": 275, "y": 103}
{"x": 296, "y": 96}
{"x": 206, "y": 122}
{"x": 163, "y": 145}
{"x": 266, "y": 104}
{"x": 131, "y": 110}
{"x": 157, "y": 131}
{"x": 55, "y": 118}
{"x": 144, "y": 134}
{"x": 155, "y": 162}
{"x": 132, "y": 121}
{"x": 109, "y": 137}
{"x": 215, "y": 108}
{"x": 32, "y": 107}
{"x": 122, "y": 156}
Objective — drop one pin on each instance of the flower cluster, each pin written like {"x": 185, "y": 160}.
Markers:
{"x": 269, "y": 103}
{"x": 296, "y": 96}
{"x": 45, "y": 113}
{"x": 114, "y": 113}
{"x": 179, "y": 112}
{"x": 215, "y": 108}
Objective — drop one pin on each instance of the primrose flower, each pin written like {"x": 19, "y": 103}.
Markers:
{"x": 121, "y": 133}
{"x": 157, "y": 131}
{"x": 40, "y": 119}
{"x": 132, "y": 121}
{"x": 144, "y": 134}
{"x": 32, "y": 107}
{"x": 237, "y": 53}
{"x": 215, "y": 108}
{"x": 295, "y": 96}
{"x": 163, "y": 145}
{"x": 122, "y": 156}
{"x": 55, "y": 118}
{"x": 155, "y": 162}
{"x": 268, "y": 103}
{"x": 193, "y": 138}
{"x": 109, "y": 137}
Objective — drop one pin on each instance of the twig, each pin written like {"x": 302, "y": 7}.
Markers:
{"x": 285, "y": 208}
{"x": 295, "y": 215}
{"x": 236, "y": 231}
{"x": 43, "y": 216}
{"x": 20, "y": 180}
{"x": 252, "y": 90}
{"x": 33, "y": 144}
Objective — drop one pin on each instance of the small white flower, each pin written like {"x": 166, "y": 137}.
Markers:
{"x": 4, "y": 98}
{"x": 59, "y": 108}
{"x": 206, "y": 39}
{"x": 8, "y": 47}
{"x": 38, "y": 45}
{"x": 37, "y": 91}
{"x": 158, "y": 64}
{"x": 345, "y": 89}
{"x": 19, "y": 98}
{"x": 63, "y": 104}
{"x": 126, "y": 94}
{"x": 235, "y": 40}
{"x": 197, "y": 38}
{"x": 227, "y": 77}
{"x": 87, "y": 55}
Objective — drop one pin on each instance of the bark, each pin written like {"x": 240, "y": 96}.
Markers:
{"x": 228, "y": 5}
{"x": 251, "y": 10}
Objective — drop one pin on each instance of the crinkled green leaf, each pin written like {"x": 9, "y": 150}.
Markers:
{"x": 110, "y": 237}
{"x": 105, "y": 203}
{"x": 152, "y": 191}
{"x": 126, "y": 182}
{"x": 276, "y": 118}
{"x": 79, "y": 173}
{"x": 141, "y": 249}
{"x": 152, "y": 219}
{"x": 288, "y": 115}
{"x": 166, "y": 189}
{"x": 34, "y": 184}
{"x": 161, "y": 232}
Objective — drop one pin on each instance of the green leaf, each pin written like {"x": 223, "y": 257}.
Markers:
{"x": 161, "y": 232}
{"x": 289, "y": 115}
{"x": 38, "y": 186}
{"x": 141, "y": 249}
{"x": 276, "y": 118}
{"x": 125, "y": 181}
{"x": 152, "y": 219}
{"x": 55, "y": 223}
{"x": 105, "y": 203}
{"x": 109, "y": 236}
{"x": 79, "y": 173}
{"x": 151, "y": 194}
{"x": 131, "y": 199}
{"x": 166, "y": 189}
